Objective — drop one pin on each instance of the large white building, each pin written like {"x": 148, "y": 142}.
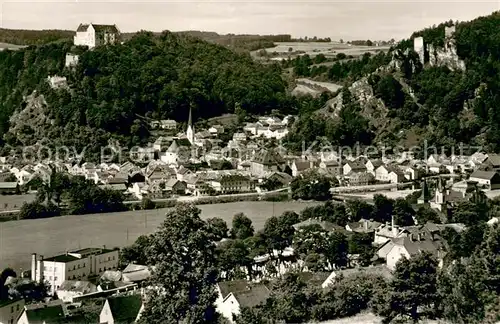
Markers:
{"x": 95, "y": 35}
{"x": 75, "y": 265}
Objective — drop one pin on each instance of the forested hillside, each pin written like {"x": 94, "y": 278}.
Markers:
{"x": 440, "y": 104}
{"x": 114, "y": 86}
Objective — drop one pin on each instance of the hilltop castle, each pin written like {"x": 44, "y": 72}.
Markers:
{"x": 446, "y": 56}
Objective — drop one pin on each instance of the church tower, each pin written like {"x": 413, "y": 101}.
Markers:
{"x": 190, "y": 128}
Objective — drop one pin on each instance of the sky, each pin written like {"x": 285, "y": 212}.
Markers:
{"x": 355, "y": 19}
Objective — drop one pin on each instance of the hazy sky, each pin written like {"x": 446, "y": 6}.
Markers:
{"x": 372, "y": 19}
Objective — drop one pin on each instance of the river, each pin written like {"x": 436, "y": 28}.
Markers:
{"x": 52, "y": 236}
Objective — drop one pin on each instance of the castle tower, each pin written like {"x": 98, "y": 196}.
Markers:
{"x": 190, "y": 128}
{"x": 418, "y": 47}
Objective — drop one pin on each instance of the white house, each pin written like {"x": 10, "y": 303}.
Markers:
{"x": 353, "y": 166}
{"x": 122, "y": 309}
{"x": 168, "y": 124}
{"x": 232, "y": 295}
{"x": 53, "y": 312}
{"x": 75, "y": 265}
{"x": 487, "y": 179}
{"x": 407, "y": 247}
{"x": 92, "y": 35}
{"x": 372, "y": 165}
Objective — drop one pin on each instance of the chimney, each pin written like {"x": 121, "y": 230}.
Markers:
{"x": 33, "y": 266}
{"x": 366, "y": 224}
{"x": 394, "y": 227}
{"x": 40, "y": 269}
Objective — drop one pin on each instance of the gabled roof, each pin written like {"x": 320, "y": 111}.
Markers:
{"x": 253, "y": 296}
{"x": 376, "y": 163}
{"x": 355, "y": 165}
{"x": 414, "y": 247}
{"x": 302, "y": 165}
{"x": 48, "y": 314}
{"x": 268, "y": 157}
{"x": 485, "y": 175}
{"x": 105, "y": 28}
{"x": 82, "y": 28}
{"x": 493, "y": 159}
{"x": 125, "y": 308}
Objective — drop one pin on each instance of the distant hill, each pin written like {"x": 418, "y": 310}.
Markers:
{"x": 447, "y": 94}
{"x": 33, "y": 37}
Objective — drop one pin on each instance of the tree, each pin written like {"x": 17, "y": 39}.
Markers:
{"x": 403, "y": 213}
{"x": 288, "y": 302}
{"x": 136, "y": 253}
{"x": 4, "y": 291}
{"x": 241, "y": 227}
{"x": 290, "y": 218}
{"x": 250, "y": 316}
{"x": 336, "y": 249}
{"x": 311, "y": 187}
{"x": 278, "y": 233}
{"x": 218, "y": 228}
{"x": 35, "y": 209}
{"x": 31, "y": 291}
{"x": 147, "y": 203}
{"x": 426, "y": 214}
{"x": 185, "y": 270}
{"x": 358, "y": 209}
{"x": 383, "y": 208}
{"x": 413, "y": 290}
{"x": 231, "y": 256}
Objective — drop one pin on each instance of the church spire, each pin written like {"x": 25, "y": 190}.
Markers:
{"x": 190, "y": 119}
{"x": 190, "y": 128}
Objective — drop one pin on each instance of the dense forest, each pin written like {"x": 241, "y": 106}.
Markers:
{"x": 113, "y": 87}
{"x": 447, "y": 106}
{"x": 158, "y": 75}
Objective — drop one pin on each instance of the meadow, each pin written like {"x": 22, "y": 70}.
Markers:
{"x": 328, "y": 49}
{"x": 52, "y": 236}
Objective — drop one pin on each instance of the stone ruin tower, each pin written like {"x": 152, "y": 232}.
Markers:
{"x": 449, "y": 39}
{"x": 419, "y": 48}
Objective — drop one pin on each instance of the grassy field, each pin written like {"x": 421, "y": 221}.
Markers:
{"x": 10, "y": 46}
{"x": 48, "y": 237}
{"x": 328, "y": 49}
{"x": 369, "y": 318}
{"x": 10, "y": 202}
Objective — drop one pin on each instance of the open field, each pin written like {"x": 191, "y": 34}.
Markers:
{"x": 10, "y": 46}
{"x": 369, "y": 318}
{"x": 12, "y": 202}
{"x": 366, "y": 318}
{"x": 51, "y": 236}
{"x": 328, "y": 85}
{"x": 328, "y": 49}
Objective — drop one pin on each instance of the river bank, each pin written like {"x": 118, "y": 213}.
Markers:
{"x": 51, "y": 236}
